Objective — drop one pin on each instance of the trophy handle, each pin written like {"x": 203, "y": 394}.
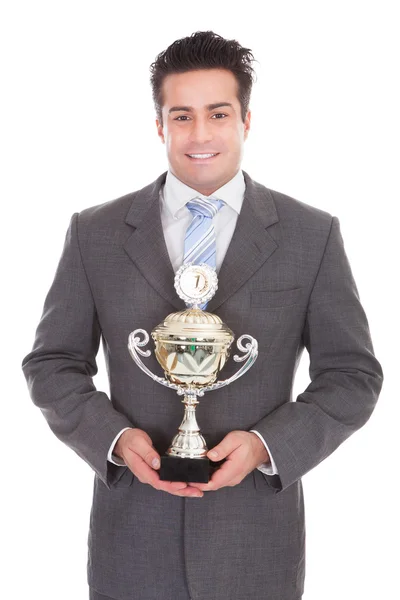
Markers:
{"x": 251, "y": 353}
{"x": 250, "y": 350}
{"x": 134, "y": 345}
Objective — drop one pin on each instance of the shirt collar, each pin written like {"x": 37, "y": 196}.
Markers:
{"x": 176, "y": 193}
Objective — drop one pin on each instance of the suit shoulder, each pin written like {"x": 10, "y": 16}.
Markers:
{"x": 108, "y": 212}
{"x": 118, "y": 208}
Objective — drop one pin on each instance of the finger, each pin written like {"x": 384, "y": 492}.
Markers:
{"x": 229, "y": 471}
{"x": 228, "y": 474}
{"x": 146, "y": 474}
{"x": 170, "y": 486}
{"x": 174, "y": 486}
{"x": 189, "y": 492}
{"x": 177, "y": 488}
{"x": 225, "y": 447}
{"x": 140, "y": 469}
{"x": 145, "y": 450}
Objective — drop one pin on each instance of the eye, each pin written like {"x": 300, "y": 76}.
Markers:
{"x": 185, "y": 117}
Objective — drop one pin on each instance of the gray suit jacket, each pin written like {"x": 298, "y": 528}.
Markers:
{"x": 286, "y": 281}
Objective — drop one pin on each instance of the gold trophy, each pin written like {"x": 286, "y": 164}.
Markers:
{"x": 192, "y": 346}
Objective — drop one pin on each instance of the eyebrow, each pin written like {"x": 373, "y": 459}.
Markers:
{"x": 209, "y": 107}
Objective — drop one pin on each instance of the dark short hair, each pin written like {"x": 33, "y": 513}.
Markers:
{"x": 204, "y": 50}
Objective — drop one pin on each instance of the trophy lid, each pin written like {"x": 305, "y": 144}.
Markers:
{"x": 195, "y": 284}
{"x": 194, "y": 322}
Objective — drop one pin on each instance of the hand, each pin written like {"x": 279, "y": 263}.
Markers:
{"x": 135, "y": 447}
{"x": 244, "y": 451}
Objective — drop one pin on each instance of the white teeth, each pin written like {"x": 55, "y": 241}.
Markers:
{"x": 201, "y": 155}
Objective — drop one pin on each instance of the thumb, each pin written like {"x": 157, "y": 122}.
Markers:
{"x": 143, "y": 446}
{"x": 152, "y": 459}
{"x": 155, "y": 461}
{"x": 223, "y": 449}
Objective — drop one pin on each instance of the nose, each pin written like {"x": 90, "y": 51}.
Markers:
{"x": 201, "y": 131}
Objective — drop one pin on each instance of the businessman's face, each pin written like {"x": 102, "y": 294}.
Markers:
{"x": 201, "y": 115}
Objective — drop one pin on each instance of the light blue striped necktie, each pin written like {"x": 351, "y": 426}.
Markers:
{"x": 200, "y": 244}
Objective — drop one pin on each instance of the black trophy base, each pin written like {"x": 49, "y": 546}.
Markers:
{"x": 188, "y": 470}
{"x": 174, "y": 468}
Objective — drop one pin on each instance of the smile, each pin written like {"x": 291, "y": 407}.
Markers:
{"x": 202, "y": 157}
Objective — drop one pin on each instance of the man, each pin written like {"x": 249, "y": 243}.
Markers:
{"x": 283, "y": 277}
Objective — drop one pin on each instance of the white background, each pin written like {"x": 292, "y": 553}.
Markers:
{"x": 78, "y": 129}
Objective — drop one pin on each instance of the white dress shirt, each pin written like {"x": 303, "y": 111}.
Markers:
{"x": 176, "y": 218}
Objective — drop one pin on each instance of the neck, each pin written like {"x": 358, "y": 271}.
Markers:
{"x": 206, "y": 191}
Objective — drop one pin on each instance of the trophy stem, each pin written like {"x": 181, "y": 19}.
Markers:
{"x": 188, "y": 442}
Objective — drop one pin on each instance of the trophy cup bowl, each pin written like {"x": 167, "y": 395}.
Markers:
{"x": 191, "y": 346}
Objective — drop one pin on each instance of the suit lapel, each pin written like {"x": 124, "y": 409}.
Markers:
{"x": 251, "y": 244}
{"x": 250, "y": 247}
{"x": 146, "y": 246}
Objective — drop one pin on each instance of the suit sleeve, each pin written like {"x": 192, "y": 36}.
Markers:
{"x": 62, "y": 363}
{"x": 346, "y": 378}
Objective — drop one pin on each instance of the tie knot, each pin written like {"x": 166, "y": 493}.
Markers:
{"x": 207, "y": 207}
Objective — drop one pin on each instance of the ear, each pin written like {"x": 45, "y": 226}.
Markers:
{"x": 160, "y": 131}
{"x": 247, "y": 124}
